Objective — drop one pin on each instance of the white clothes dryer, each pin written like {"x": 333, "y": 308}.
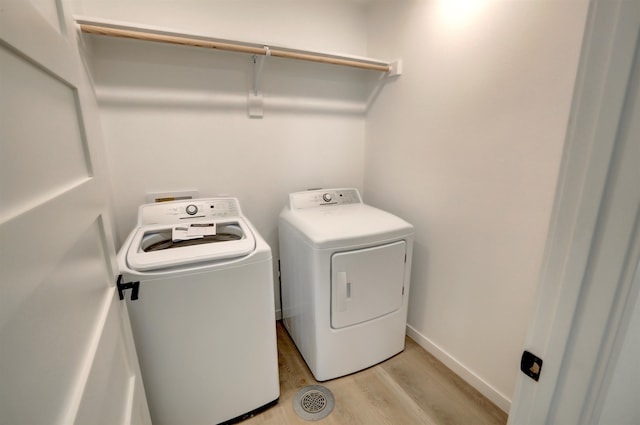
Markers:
{"x": 345, "y": 268}
{"x": 204, "y": 320}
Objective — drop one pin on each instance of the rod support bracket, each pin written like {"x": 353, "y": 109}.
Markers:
{"x": 395, "y": 68}
{"x": 255, "y": 96}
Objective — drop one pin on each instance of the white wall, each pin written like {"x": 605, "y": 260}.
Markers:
{"x": 466, "y": 145}
{"x": 175, "y": 118}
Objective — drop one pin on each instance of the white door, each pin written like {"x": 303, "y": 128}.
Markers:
{"x": 590, "y": 282}
{"x": 367, "y": 283}
{"x": 66, "y": 351}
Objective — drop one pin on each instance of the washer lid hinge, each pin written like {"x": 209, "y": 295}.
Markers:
{"x": 123, "y": 286}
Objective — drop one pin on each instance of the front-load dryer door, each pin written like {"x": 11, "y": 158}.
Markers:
{"x": 366, "y": 283}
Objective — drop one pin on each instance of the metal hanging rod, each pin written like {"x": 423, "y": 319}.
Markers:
{"x": 234, "y": 47}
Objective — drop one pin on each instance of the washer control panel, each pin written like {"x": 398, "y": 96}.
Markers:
{"x": 179, "y": 211}
{"x": 324, "y": 197}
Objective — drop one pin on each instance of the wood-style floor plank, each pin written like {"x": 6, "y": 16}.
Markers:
{"x": 412, "y": 387}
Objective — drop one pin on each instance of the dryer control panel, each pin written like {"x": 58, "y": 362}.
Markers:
{"x": 192, "y": 209}
{"x": 324, "y": 197}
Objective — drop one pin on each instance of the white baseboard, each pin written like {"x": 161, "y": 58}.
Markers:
{"x": 459, "y": 369}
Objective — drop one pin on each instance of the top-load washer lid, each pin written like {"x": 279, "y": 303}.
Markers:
{"x": 153, "y": 247}
{"x": 332, "y": 217}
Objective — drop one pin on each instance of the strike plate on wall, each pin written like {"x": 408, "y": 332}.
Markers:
{"x": 531, "y": 365}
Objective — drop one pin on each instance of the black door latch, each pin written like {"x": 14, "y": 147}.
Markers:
{"x": 123, "y": 286}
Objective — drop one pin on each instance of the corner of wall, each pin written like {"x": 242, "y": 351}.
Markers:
{"x": 496, "y": 397}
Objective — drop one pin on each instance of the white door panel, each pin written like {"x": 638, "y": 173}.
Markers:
{"x": 48, "y": 333}
{"x": 49, "y": 11}
{"x": 23, "y": 27}
{"x": 66, "y": 350}
{"x": 35, "y": 242}
{"x": 366, "y": 283}
{"x": 113, "y": 389}
{"x": 36, "y": 105}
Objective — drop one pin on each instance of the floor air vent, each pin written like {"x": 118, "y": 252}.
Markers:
{"x": 313, "y": 403}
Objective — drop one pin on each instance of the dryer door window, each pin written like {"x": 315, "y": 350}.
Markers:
{"x": 366, "y": 283}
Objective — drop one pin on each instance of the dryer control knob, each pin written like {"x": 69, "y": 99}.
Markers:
{"x": 326, "y": 197}
{"x": 192, "y": 209}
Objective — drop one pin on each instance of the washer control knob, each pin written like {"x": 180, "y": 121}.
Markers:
{"x": 192, "y": 209}
{"x": 326, "y": 197}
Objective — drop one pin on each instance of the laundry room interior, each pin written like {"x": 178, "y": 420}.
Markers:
{"x": 472, "y": 164}
{"x": 464, "y": 139}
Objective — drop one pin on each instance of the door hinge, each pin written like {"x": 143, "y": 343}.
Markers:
{"x": 531, "y": 365}
{"x": 123, "y": 286}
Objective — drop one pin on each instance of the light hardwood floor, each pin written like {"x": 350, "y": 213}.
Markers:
{"x": 410, "y": 388}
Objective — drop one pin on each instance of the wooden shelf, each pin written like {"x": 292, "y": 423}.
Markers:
{"x": 259, "y": 52}
{"x": 147, "y": 33}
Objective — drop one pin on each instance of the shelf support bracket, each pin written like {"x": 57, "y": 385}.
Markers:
{"x": 395, "y": 68}
{"x": 255, "y": 96}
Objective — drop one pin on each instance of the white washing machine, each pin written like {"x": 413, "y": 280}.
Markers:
{"x": 204, "y": 320}
{"x": 345, "y": 269}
